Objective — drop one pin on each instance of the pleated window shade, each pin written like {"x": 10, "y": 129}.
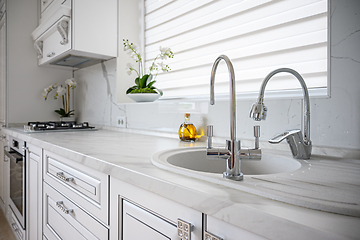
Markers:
{"x": 257, "y": 35}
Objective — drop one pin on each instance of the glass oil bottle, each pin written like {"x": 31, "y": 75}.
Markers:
{"x": 187, "y": 130}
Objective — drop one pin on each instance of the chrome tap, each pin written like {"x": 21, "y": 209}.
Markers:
{"x": 300, "y": 146}
{"x": 233, "y": 152}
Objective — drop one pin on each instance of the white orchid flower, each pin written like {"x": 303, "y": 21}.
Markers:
{"x": 60, "y": 91}
{"x": 71, "y": 82}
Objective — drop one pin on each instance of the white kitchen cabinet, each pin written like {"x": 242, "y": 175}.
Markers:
{"x": 85, "y": 186}
{"x": 76, "y": 33}
{"x": 75, "y": 200}
{"x": 63, "y": 219}
{"x": 140, "y": 214}
{"x": 139, "y": 223}
{"x": 34, "y": 192}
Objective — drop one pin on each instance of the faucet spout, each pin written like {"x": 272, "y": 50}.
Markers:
{"x": 258, "y": 113}
{"x": 233, "y": 146}
{"x": 232, "y": 92}
{"x": 233, "y": 152}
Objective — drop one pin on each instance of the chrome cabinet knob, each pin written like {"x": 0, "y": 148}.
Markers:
{"x": 51, "y": 54}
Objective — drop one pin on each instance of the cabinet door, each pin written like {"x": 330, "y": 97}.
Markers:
{"x": 140, "y": 214}
{"x": 34, "y": 192}
{"x": 141, "y": 224}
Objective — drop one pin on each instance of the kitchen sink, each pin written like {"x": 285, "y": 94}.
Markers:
{"x": 193, "y": 162}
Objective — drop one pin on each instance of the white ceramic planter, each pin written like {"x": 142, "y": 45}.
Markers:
{"x": 143, "y": 97}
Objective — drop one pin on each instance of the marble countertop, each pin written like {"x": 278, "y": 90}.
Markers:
{"x": 331, "y": 184}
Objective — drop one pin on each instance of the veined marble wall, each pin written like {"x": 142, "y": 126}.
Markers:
{"x": 335, "y": 121}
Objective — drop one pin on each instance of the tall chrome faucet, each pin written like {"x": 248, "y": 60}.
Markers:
{"x": 233, "y": 152}
{"x": 300, "y": 146}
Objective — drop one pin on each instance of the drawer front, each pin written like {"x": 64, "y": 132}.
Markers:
{"x": 83, "y": 183}
{"x": 86, "y": 187}
{"x": 66, "y": 220}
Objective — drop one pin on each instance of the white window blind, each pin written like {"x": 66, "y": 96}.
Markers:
{"x": 257, "y": 35}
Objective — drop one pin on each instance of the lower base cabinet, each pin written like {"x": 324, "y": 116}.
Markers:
{"x": 65, "y": 220}
{"x": 140, "y": 214}
{"x": 139, "y": 223}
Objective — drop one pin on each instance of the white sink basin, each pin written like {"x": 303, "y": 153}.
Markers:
{"x": 193, "y": 162}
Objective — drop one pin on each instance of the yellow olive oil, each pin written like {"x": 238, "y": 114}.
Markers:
{"x": 187, "y": 130}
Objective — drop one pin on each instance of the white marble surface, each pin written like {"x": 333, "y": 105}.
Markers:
{"x": 127, "y": 156}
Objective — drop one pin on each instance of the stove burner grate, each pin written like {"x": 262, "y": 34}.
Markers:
{"x": 45, "y": 126}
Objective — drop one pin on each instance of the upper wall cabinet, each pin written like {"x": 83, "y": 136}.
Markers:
{"x": 76, "y": 33}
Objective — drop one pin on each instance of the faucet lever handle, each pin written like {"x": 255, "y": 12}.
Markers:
{"x": 257, "y": 135}
{"x": 209, "y": 133}
{"x": 280, "y": 137}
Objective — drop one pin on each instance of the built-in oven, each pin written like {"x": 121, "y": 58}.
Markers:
{"x": 16, "y": 154}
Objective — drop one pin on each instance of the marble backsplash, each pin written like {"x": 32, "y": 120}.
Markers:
{"x": 334, "y": 120}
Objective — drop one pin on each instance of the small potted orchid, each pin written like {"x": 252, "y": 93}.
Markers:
{"x": 62, "y": 93}
{"x": 144, "y": 83}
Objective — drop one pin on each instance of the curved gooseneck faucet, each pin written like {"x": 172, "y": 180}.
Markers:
{"x": 232, "y": 171}
{"x": 233, "y": 152}
{"x": 300, "y": 146}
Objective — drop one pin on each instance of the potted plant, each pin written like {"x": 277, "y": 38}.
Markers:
{"x": 144, "y": 89}
{"x": 64, "y": 94}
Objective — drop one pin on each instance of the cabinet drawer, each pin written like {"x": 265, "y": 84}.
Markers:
{"x": 86, "y": 187}
{"x": 66, "y": 220}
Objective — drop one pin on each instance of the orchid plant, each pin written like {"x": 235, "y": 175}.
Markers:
{"x": 64, "y": 94}
{"x": 144, "y": 83}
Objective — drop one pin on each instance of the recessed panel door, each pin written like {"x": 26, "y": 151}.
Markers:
{"x": 139, "y": 223}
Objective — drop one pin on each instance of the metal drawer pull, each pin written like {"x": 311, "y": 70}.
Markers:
{"x": 61, "y": 175}
{"x": 210, "y": 236}
{"x": 184, "y": 229}
{"x": 60, "y": 204}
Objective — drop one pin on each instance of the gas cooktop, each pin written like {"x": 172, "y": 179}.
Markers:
{"x": 56, "y": 126}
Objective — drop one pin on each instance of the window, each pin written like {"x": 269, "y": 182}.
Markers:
{"x": 257, "y": 35}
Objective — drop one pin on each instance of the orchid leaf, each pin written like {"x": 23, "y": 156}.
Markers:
{"x": 150, "y": 84}
{"x": 137, "y": 81}
{"x": 143, "y": 81}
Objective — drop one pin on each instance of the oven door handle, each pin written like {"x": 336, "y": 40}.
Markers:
{"x": 9, "y": 154}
